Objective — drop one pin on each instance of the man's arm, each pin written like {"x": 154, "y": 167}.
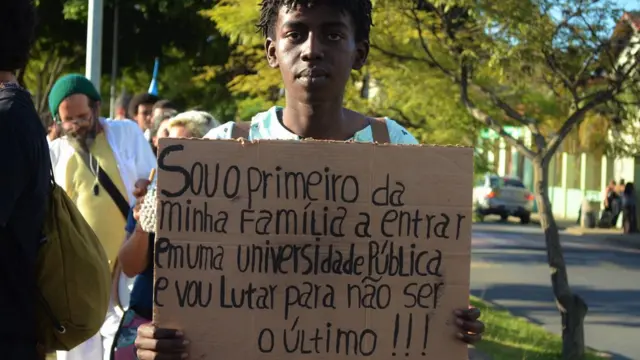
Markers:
{"x": 14, "y": 141}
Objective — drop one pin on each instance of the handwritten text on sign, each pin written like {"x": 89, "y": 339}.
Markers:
{"x": 327, "y": 250}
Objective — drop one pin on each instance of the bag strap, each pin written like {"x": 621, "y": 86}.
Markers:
{"x": 241, "y": 130}
{"x": 379, "y": 130}
{"x": 107, "y": 184}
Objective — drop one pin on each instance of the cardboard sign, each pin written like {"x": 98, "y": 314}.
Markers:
{"x": 324, "y": 250}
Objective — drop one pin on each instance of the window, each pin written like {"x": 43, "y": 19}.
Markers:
{"x": 513, "y": 183}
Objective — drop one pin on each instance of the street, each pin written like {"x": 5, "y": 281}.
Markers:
{"x": 509, "y": 268}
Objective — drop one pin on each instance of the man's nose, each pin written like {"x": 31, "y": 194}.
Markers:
{"x": 312, "y": 48}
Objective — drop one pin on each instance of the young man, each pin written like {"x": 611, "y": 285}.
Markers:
{"x": 24, "y": 185}
{"x": 315, "y": 45}
{"x": 141, "y": 111}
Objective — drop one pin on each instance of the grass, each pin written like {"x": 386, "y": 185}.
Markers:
{"x": 508, "y": 337}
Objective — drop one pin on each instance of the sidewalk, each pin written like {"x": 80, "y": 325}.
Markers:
{"x": 562, "y": 223}
{"x": 608, "y": 235}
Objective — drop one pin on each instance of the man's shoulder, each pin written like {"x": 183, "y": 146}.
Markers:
{"x": 122, "y": 127}
{"x": 15, "y": 102}
{"x": 398, "y": 134}
{"x": 224, "y": 131}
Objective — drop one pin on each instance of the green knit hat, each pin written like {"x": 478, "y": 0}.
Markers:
{"x": 70, "y": 85}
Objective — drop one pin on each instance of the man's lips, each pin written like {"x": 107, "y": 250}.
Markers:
{"x": 313, "y": 73}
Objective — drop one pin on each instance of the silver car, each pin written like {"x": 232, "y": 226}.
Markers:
{"x": 503, "y": 196}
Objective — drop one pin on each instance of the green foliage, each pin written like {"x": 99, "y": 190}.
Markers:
{"x": 175, "y": 31}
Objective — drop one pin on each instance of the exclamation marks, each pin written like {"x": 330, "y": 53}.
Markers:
{"x": 409, "y": 329}
{"x": 396, "y": 332}
{"x": 409, "y": 333}
{"x": 426, "y": 335}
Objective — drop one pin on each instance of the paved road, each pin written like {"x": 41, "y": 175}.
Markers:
{"x": 509, "y": 268}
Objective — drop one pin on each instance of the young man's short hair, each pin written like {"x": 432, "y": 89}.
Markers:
{"x": 17, "y": 30}
{"x": 164, "y": 104}
{"x": 140, "y": 99}
{"x": 359, "y": 10}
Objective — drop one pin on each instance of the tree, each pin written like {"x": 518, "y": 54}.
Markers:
{"x": 497, "y": 53}
{"x": 147, "y": 29}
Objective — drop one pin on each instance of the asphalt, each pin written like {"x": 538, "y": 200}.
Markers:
{"x": 509, "y": 269}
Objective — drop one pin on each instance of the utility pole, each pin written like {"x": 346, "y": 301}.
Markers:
{"x": 93, "y": 66}
{"x": 114, "y": 62}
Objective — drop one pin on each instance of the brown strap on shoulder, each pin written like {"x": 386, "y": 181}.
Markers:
{"x": 380, "y": 131}
{"x": 240, "y": 130}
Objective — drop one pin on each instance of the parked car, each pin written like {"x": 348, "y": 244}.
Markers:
{"x": 503, "y": 196}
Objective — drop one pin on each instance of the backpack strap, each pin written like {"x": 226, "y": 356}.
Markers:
{"x": 379, "y": 130}
{"x": 241, "y": 130}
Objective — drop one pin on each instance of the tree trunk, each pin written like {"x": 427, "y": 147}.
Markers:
{"x": 572, "y": 308}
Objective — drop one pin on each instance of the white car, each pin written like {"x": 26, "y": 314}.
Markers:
{"x": 503, "y": 196}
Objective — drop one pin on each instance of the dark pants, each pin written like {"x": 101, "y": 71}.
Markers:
{"x": 629, "y": 219}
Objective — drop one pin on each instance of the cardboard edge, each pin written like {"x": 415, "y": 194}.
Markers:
{"x": 244, "y": 141}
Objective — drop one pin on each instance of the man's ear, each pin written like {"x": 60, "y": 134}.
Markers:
{"x": 362, "y": 53}
{"x": 270, "y": 49}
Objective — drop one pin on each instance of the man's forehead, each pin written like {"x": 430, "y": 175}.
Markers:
{"x": 320, "y": 13}
{"x": 77, "y": 102}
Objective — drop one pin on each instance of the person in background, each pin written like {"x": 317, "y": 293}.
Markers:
{"x": 141, "y": 111}
{"x": 136, "y": 254}
{"x": 629, "y": 215}
{"x": 162, "y": 105}
{"x": 611, "y": 205}
{"x": 24, "y": 185}
{"x": 315, "y": 45}
{"x": 191, "y": 124}
{"x": 97, "y": 162}
{"x": 122, "y": 104}
{"x": 159, "y": 128}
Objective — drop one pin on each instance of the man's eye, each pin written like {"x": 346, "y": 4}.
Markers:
{"x": 335, "y": 37}
{"x": 293, "y": 35}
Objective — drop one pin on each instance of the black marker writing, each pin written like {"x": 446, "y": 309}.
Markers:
{"x": 191, "y": 255}
{"x": 175, "y": 216}
{"x": 311, "y": 222}
{"x": 319, "y": 340}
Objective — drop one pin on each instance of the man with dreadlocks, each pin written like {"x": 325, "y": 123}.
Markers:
{"x": 315, "y": 45}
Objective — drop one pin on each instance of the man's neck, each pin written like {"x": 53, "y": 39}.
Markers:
{"x": 319, "y": 121}
{"x": 8, "y": 77}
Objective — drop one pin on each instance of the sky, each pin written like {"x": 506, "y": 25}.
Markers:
{"x": 629, "y": 4}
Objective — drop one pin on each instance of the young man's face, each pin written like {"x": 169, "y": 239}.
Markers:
{"x": 143, "y": 116}
{"x": 315, "y": 49}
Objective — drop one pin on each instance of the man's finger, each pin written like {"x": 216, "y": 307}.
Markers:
{"x": 151, "y": 332}
{"x": 476, "y": 327}
{"x": 471, "y": 314}
{"x": 470, "y": 338}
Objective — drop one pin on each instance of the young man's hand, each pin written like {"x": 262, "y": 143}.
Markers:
{"x": 471, "y": 329}
{"x": 160, "y": 344}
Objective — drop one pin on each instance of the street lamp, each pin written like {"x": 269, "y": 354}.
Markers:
{"x": 93, "y": 60}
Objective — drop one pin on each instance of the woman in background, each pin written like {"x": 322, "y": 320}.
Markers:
{"x": 136, "y": 255}
{"x": 629, "y": 216}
